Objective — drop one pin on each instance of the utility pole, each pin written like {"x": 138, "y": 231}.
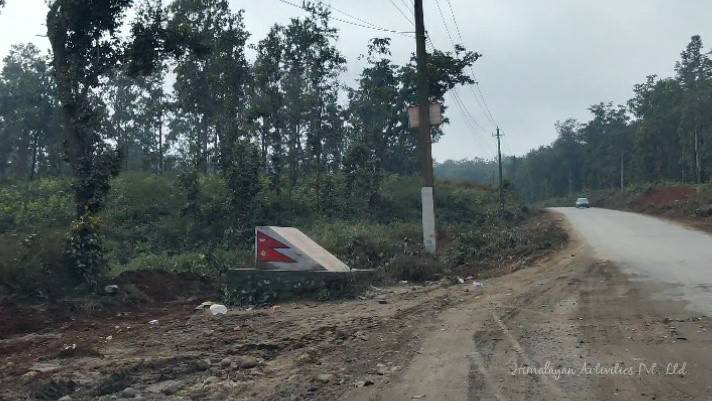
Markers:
{"x": 423, "y": 97}
{"x": 499, "y": 162}
{"x": 622, "y": 172}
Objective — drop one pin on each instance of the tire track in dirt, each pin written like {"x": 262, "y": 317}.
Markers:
{"x": 516, "y": 330}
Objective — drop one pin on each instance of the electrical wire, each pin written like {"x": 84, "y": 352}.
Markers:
{"x": 478, "y": 99}
{"x": 408, "y": 6}
{"x": 361, "y": 23}
{"x": 401, "y": 12}
{"x": 477, "y": 84}
{"x": 471, "y": 122}
{"x": 447, "y": 29}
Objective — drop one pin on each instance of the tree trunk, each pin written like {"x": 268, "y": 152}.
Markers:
{"x": 160, "y": 146}
{"x": 264, "y": 145}
{"x": 698, "y": 159}
{"x": 622, "y": 173}
{"x": 33, "y": 165}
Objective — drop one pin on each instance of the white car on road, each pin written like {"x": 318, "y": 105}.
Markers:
{"x": 582, "y": 203}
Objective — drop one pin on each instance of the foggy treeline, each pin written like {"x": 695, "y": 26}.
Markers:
{"x": 664, "y": 133}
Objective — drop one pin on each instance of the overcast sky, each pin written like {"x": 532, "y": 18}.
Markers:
{"x": 544, "y": 60}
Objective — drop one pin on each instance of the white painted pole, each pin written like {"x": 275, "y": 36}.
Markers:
{"x": 429, "y": 239}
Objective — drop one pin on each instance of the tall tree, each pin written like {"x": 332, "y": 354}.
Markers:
{"x": 121, "y": 96}
{"x": 656, "y": 108}
{"x": 569, "y": 149}
{"x": 375, "y": 113}
{"x": 87, "y": 49}
{"x": 312, "y": 65}
{"x": 268, "y": 103}
{"x": 694, "y": 73}
{"x": 29, "y": 115}
{"x": 210, "y": 83}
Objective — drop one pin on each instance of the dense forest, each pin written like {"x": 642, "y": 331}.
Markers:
{"x": 162, "y": 141}
{"x": 664, "y": 133}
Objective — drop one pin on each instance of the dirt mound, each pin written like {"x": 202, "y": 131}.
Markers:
{"x": 136, "y": 290}
{"x": 660, "y": 197}
{"x": 25, "y": 319}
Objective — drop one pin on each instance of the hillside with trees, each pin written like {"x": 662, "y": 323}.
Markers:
{"x": 664, "y": 133}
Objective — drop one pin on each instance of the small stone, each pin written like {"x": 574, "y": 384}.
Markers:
{"x": 306, "y": 358}
{"x": 382, "y": 369}
{"x": 129, "y": 392}
{"x": 65, "y": 398}
{"x": 111, "y": 289}
{"x": 247, "y": 362}
{"x": 325, "y": 377}
{"x": 218, "y": 309}
{"x": 29, "y": 376}
{"x": 226, "y": 362}
{"x": 202, "y": 364}
{"x": 364, "y": 383}
{"x": 204, "y": 305}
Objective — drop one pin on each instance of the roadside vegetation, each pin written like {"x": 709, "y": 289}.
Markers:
{"x": 179, "y": 224}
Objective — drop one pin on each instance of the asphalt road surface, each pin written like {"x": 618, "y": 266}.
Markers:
{"x": 653, "y": 249}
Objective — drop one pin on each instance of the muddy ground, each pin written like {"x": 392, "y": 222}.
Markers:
{"x": 438, "y": 341}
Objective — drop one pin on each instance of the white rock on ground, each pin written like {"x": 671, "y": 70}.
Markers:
{"x": 218, "y": 309}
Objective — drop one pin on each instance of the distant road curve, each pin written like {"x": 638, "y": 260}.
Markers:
{"x": 650, "y": 248}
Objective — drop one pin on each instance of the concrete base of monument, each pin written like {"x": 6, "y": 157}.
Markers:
{"x": 260, "y": 287}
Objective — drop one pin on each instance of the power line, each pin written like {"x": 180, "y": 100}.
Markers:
{"x": 477, "y": 84}
{"x": 452, "y": 14}
{"x": 401, "y": 12}
{"x": 469, "y": 119}
{"x": 480, "y": 134}
{"x": 442, "y": 17}
{"x": 484, "y": 101}
{"x": 408, "y": 5}
{"x": 362, "y": 23}
{"x": 480, "y": 103}
{"x": 351, "y": 16}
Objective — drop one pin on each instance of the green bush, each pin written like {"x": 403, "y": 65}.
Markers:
{"x": 33, "y": 264}
{"x": 27, "y": 206}
{"x": 477, "y": 244}
{"x": 412, "y": 268}
{"x": 182, "y": 223}
{"x": 364, "y": 245}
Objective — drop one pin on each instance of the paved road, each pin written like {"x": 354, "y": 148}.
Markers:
{"x": 652, "y": 249}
